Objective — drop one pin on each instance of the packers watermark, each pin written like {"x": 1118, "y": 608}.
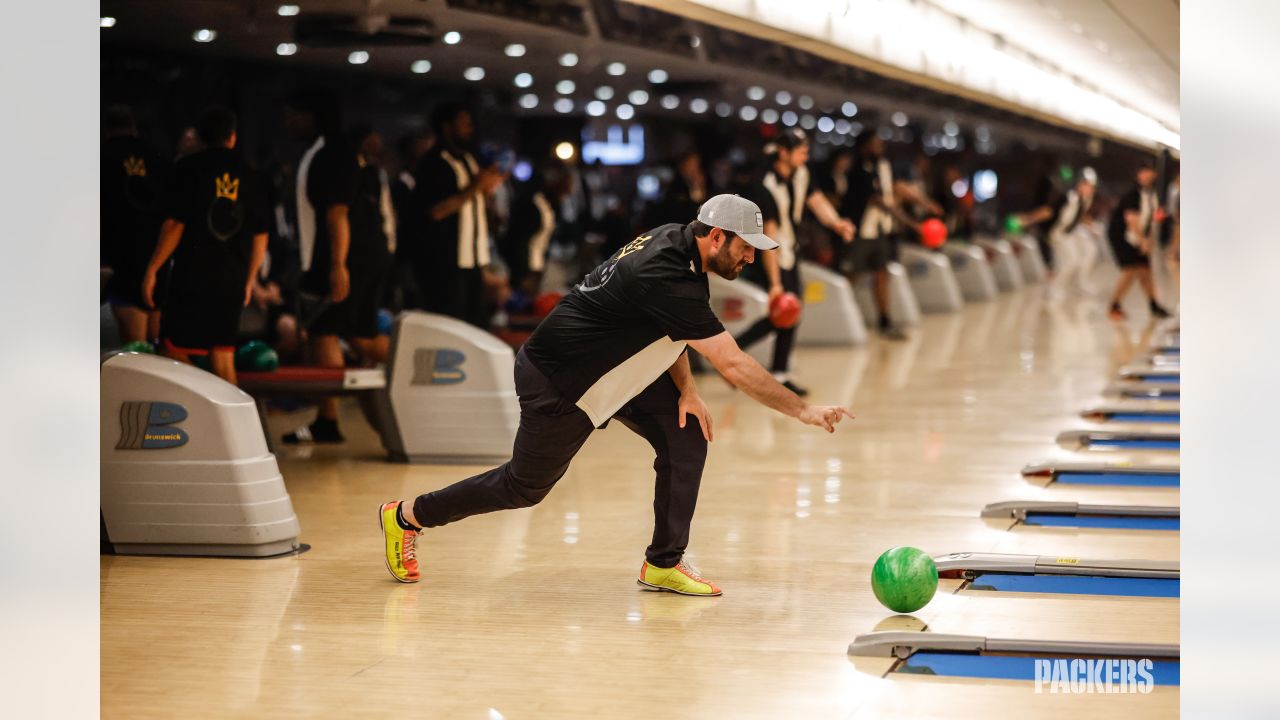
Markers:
{"x": 1094, "y": 675}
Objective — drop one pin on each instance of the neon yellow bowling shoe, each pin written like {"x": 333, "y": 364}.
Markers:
{"x": 402, "y": 556}
{"x": 681, "y": 579}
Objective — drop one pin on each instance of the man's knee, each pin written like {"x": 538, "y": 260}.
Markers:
{"x": 529, "y": 490}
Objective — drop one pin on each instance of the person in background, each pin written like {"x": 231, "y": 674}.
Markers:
{"x": 404, "y": 285}
{"x": 872, "y": 207}
{"x": 188, "y": 143}
{"x": 784, "y": 194}
{"x": 453, "y": 247}
{"x": 1070, "y": 235}
{"x": 373, "y": 245}
{"x": 1131, "y": 236}
{"x": 1173, "y": 216}
{"x": 133, "y": 178}
{"x": 533, "y": 221}
{"x": 215, "y": 229}
{"x": 325, "y": 188}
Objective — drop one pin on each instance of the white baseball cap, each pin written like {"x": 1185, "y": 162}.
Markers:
{"x": 738, "y": 215}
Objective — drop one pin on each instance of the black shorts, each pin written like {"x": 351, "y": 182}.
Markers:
{"x": 202, "y": 323}
{"x": 869, "y": 254}
{"x": 357, "y": 315}
{"x": 1128, "y": 256}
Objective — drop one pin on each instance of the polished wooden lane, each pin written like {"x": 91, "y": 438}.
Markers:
{"x": 535, "y": 614}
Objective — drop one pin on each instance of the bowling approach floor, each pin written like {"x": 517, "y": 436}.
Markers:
{"x": 535, "y": 613}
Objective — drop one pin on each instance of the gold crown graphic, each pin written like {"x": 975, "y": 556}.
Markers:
{"x": 226, "y": 187}
{"x": 134, "y": 166}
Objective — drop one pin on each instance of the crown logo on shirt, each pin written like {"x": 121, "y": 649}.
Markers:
{"x": 135, "y": 167}
{"x": 226, "y": 187}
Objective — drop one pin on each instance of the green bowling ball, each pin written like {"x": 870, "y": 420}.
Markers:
{"x": 257, "y": 356}
{"x": 1012, "y": 225}
{"x": 904, "y": 579}
{"x": 139, "y": 346}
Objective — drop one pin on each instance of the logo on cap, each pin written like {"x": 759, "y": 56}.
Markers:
{"x": 759, "y": 221}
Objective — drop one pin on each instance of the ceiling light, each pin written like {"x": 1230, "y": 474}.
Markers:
{"x": 524, "y": 80}
{"x": 288, "y": 10}
{"x": 769, "y": 116}
{"x": 204, "y": 35}
{"x": 638, "y": 97}
{"x": 514, "y": 50}
{"x": 625, "y": 112}
{"x": 474, "y": 73}
{"x": 755, "y": 92}
{"x": 747, "y": 113}
{"x": 849, "y": 108}
{"x": 564, "y": 151}
{"x": 595, "y": 108}
{"x": 806, "y": 102}
{"x": 951, "y": 128}
{"x": 528, "y": 101}
{"x": 698, "y": 105}
{"x": 604, "y": 92}
{"x": 657, "y": 76}
{"x": 565, "y": 87}
{"x": 286, "y": 49}
{"x": 724, "y": 109}
{"x": 670, "y": 102}
{"x": 843, "y": 126}
{"x": 106, "y": 22}
{"x": 615, "y": 69}
{"x": 421, "y": 67}
{"x": 789, "y": 118}
{"x": 453, "y": 37}
{"x": 826, "y": 124}
{"x": 564, "y": 105}
{"x": 900, "y": 119}
{"x": 568, "y": 59}
{"x": 808, "y": 122}
{"x": 783, "y": 97}
{"x": 358, "y": 57}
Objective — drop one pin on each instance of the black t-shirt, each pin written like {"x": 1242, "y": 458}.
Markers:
{"x": 332, "y": 179}
{"x": 222, "y": 205}
{"x": 368, "y": 230}
{"x": 436, "y": 181}
{"x": 627, "y": 322}
{"x": 1129, "y": 202}
{"x": 864, "y": 184}
{"x": 131, "y": 210}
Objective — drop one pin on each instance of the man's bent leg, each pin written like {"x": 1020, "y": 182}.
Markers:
{"x": 551, "y": 432}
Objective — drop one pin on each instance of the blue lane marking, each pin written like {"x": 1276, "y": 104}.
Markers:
{"x": 1079, "y": 585}
{"x": 1144, "y": 444}
{"x": 1154, "y": 394}
{"x": 1132, "y": 479}
{"x": 1151, "y": 417}
{"x": 1003, "y": 667}
{"x": 1120, "y": 522}
{"x": 1161, "y": 379}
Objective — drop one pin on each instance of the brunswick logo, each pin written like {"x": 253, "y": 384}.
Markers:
{"x": 149, "y": 426}
{"x": 432, "y": 366}
{"x": 1094, "y": 675}
{"x": 135, "y": 167}
{"x": 226, "y": 187}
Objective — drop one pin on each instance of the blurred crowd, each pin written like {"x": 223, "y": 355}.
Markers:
{"x": 312, "y": 257}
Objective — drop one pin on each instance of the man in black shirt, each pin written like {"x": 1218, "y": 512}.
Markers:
{"x": 215, "y": 229}
{"x": 373, "y": 242}
{"x": 785, "y": 195}
{"x": 532, "y": 224}
{"x": 328, "y": 174}
{"x": 615, "y": 347}
{"x": 450, "y": 190}
{"x": 1131, "y": 235}
{"x": 870, "y": 203}
{"x": 132, "y": 178}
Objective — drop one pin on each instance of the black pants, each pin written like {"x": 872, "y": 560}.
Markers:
{"x": 551, "y": 432}
{"x": 453, "y": 291}
{"x": 786, "y": 339}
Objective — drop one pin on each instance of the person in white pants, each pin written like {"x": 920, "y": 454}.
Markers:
{"x": 1071, "y": 235}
